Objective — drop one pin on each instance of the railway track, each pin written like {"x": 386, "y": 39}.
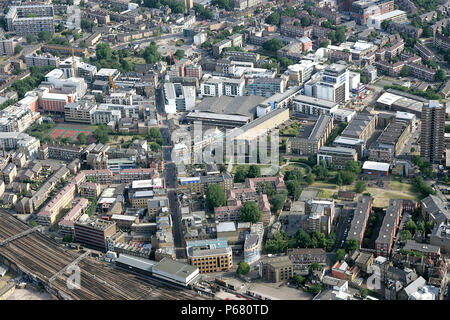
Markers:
{"x": 43, "y": 259}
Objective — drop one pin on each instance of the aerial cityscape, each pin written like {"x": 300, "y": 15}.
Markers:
{"x": 224, "y": 150}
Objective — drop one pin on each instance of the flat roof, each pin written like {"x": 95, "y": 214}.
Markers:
{"x": 175, "y": 268}
{"x": 226, "y": 226}
{"x": 388, "y": 98}
{"x": 140, "y": 263}
{"x": 315, "y": 101}
{"x": 217, "y": 116}
{"x": 379, "y": 166}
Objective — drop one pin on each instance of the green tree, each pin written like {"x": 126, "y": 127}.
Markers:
{"x": 273, "y": 18}
{"x": 353, "y": 166}
{"x": 18, "y": 49}
{"x": 293, "y": 187}
{"x": 179, "y": 54}
{"x": 103, "y": 51}
{"x": 243, "y": 268}
{"x": 405, "y": 235}
{"x": 241, "y": 174}
{"x": 351, "y": 245}
{"x": 250, "y": 212}
{"x": 273, "y": 45}
{"x": 310, "y": 178}
{"x": 315, "y": 289}
{"x": 44, "y": 36}
{"x": 87, "y": 25}
{"x": 427, "y": 32}
{"x": 82, "y": 138}
{"x": 101, "y": 134}
{"x": 278, "y": 201}
{"x": 405, "y": 72}
{"x": 299, "y": 280}
{"x": 360, "y": 186}
{"x": 150, "y": 54}
{"x": 215, "y": 196}
{"x": 303, "y": 240}
{"x": 31, "y": 38}
{"x": 340, "y": 254}
{"x": 254, "y": 171}
{"x": 363, "y": 292}
{"x": 306, "y": 21}
{"x": 285, "y": 62}
{"x": 154, "y": 146}
{"x": 440, "y": 75}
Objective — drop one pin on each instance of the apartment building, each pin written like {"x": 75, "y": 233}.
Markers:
{"x": 386, "y": 237}
{"x": 421, "y": 71}
{"x": 79, "y": 207}
{"x": 79, "y": 111}
{"x": 43, "y": 60}
{"x": 301, "y": 72}
{"x": 30, "y": 19}
{"x": 192, "y": 184}
{"x": 266, "y": 87}
{"x": 7, "y": 47}
{"x": 397, "y": 16}
{"x": 310, "y": 141}
{"x": 128, "y": 175}
{"x": 63, "y": 199}
{"x": 9, "y": 173}
{"x": 360, "y": 216}
{"x": 211, "y": 255}
{"x": 363, "y": 9}
{"x": 54, "y": 102}
{"x": 441, "y": 41}
{"x": 432, "y": 134}
{"x": 361, "y": 127}
{"x": 338, "y": 156}
{"x": 331, "y": 84}
{"x": 313, "y": 106}
{"x": 178, "y": 97}
{"x": 194, "y": 70}
{"x": 276, "y": 269}
{"x": 89, "y": 189}
{"x": 94, "y": 233}
{"x": 390, "y": 143}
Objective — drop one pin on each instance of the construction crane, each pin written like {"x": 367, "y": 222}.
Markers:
{"x": 74, "y": 64}
{"x": 113, "y": 85}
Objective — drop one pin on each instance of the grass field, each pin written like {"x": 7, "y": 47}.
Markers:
{"x": 135, "y": 60}
{"x": 291, "y": 166}
{"x": 382, "y": 196}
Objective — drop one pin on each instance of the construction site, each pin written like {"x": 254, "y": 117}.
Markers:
{"x": 26, "y": 251}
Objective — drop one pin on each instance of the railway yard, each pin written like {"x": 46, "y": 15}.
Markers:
{"x": 42, "y": 258}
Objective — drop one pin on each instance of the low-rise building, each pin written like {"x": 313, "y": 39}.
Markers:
{"x": 276, "y": 268}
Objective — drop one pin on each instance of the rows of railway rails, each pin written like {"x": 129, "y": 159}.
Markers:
{"x": 43, "y": 259}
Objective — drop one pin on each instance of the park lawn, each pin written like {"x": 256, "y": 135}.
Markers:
{"x": 399, "y": 186}
{"x": 382, "y": 196}
{"x": 325, "y": 185}
{"x": 135, "y": 60}
{"x": 325, "y": 194}
{"x": 291, "y": 166}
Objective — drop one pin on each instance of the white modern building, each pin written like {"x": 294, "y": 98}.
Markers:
{"x": 178, "y": 97}
{"x": 397, "y": 16}
{"x": 313, "y": 106}
{"x": 331, "y": 84}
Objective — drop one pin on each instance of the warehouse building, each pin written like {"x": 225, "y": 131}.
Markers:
{"x": 376, "y": 168}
